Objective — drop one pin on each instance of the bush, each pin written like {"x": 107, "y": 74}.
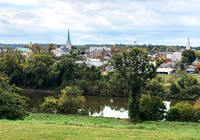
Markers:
{"x": 12, "y": 106}
{"x": 193, "y": 90}
{"x": 151, "y": 108}
{"x": 187, "y": 81}
{"x": 14, "y": 89}
{"x": 197, "y": 110}
{"x": 155, "y": 88}
{"x": 182, "y": 111}
{"x": 186, "y": 111}
{"x": 50, "y": 105}
{"x": 69, "y": 102}
{"x": 173, "y": 114}
{"x": 174, "y": 89}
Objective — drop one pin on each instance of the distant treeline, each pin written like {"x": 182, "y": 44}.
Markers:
{"x": 150, "y": 47}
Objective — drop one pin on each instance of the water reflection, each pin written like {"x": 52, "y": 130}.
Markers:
{"x": 108, "y": 112}
{"x": 106, "y": 106}
{"x": 94, "y": 106}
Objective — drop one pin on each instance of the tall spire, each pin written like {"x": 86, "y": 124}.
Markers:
{"x": 68, "y": 38}
{"x": 188, "y": 44}
{"x": 68, "y": 43}
{"x": 30, "y": 44}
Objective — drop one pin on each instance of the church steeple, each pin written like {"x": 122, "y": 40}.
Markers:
{"x": 188, "y": 44}
{"x": 30, "y": 44}
{"x": 68, "y": 43}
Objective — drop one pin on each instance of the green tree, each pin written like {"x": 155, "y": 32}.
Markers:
{"x": 152, "y": 108}
{"x": 12, "y": 106}
{"x": 69, "y": 102}
{"x": 9, "y": 64}
{"x": 190, "y": 55}
{"x": 182, "y": 111}
{"x": 187, "y": 81}
{"x": 4, "y": 81}
{"x": 154, "y": 87}
{"x": 197, "y": 53}
{"x": 174, "y": 89}
{"x": 64, "y": 72}
{"x": 183, "y": 63}
{"x": 136, "y": 68}
{"x": 37, "y": 70}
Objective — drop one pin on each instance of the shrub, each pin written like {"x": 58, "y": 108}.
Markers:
{"x": 182, "y": 111}
{"x": 50, "y": 105}
{"x": 151, "y": 108}
{"x": 197, "y": 110}
{"x": 69, "y": 102}
{"x": 12, "y": 106}
{"x": 173, "y": 114}
{"x": 174, "y": 89}
{"x": 14, "y": 89}
{"x": 193, "y": 90}
{"x": 155, "y": 88}
{"x": 72, "y": 90}
{"x": 186, "y": 111}
{"x": 187, "y": 81}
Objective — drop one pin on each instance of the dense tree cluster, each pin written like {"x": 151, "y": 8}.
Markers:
{"x": 183, "y": 111}
{"x": 12, "y": 105}
{"x": 185, "y": 88}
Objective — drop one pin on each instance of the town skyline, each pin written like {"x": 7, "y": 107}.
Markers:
{"x": 97, "y": 22}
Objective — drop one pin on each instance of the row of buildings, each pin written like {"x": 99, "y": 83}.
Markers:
{"x": 99, "y": 56}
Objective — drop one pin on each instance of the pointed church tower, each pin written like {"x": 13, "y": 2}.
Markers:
{"x": 68, "y": 43}
{"x": 30, "y": 44}
{"x": 188, "y": 44}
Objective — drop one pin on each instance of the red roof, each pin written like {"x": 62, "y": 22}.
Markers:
{"x": 52, "y": 51}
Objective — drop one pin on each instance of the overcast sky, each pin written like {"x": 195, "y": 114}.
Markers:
{"x": 100, "y": 21}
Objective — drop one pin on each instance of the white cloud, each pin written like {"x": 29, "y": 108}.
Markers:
{"x": 99, "y": 21}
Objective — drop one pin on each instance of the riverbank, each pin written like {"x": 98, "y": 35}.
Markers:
{"x": 53, "y": 126}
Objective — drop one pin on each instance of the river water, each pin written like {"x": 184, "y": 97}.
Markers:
{"x": 115, "y": 107}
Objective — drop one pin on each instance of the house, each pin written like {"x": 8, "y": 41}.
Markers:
{"x": 173, "y": 56}
{"x": 89, "y": 62}
{"x": 100, "y": 49}
{"x": 61, "y": 51}
{"x": 96, "y": 52}
{"x": 168, "y": 71}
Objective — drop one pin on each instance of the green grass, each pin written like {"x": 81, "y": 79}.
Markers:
{"x": 49, "y": 126}
{"x": 166, "y": 77}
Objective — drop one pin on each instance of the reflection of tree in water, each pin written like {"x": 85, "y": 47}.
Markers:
{"x": 36, "y": 99}
{"x": 93, "y": 104}
{"x": 97, "y": 104}
{"x": 175, "y": 101}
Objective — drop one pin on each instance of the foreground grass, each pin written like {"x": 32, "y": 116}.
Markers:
{"x": 49, "y": 126}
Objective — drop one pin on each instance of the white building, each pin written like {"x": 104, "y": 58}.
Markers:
{"x": 100, "y": 48}
{"x": 174, "y": 56}
{"x": 90, "y": 62}
{"x": 165, "y": 71}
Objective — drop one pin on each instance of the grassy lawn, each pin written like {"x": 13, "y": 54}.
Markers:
{"x": 166, "y": 77}
{"x": 49, "y": 126}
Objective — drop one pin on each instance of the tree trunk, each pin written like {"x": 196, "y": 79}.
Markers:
{"x": 133, "y": 106}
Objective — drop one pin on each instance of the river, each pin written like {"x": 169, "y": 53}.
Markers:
{"x": 115, "y": 107}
